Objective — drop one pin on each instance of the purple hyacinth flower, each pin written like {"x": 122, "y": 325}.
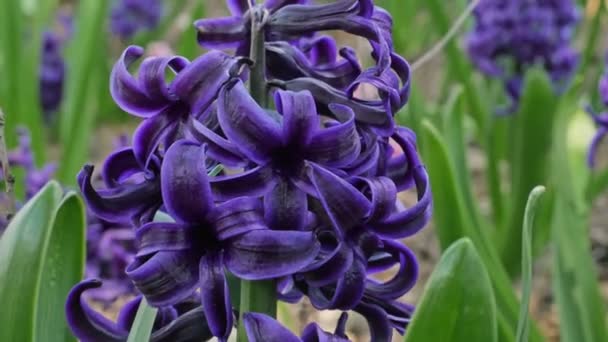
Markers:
{"x": 601, "y": 121}
{"x": 262, "y": 328}
{"x": 167, "y": 107}
{"x": 282, "y": 150}
{"x": 129, "y": 17}
{"x": 132, "y": 192}
{"x": 176, "y": 258}
{"x": 511, "y": 36}
{"x": 52, "y": 73}
{"x": 173, "y": 323}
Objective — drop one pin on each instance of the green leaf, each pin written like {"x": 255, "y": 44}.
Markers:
{"x": 452, "y": 223}
{"x": 523, "y": 325}
{"x": 532, "y": 143}
{"x": 144, "y": 320}
{"x": 453, "y": 306}
{"x": 63, "y": 266}
{"x": 575, "y": 281}
{"x": 79, "y": 107}
{"x": 22, "y": 249}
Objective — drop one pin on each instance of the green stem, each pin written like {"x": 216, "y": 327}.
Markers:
{"x": 257, "y": 296}
{"x": 591, "y": 42}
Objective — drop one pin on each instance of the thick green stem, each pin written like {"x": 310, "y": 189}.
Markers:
{"x": 257, "y": 296}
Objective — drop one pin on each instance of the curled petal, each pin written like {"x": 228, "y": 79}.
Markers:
{"x": 149, "y": 134}
{"x": 127, "y": 313}
{"x": 184, "y": 182}
{"x": 313, "y": 333}
{"x": 162, "y": 236}
{"x": 189, "y": 327}
{"x": 377, "y": 320}
{"x": 254, "y": 182}
{"x": 254, "y": 132}
{"x": 265, "y": 254}
{"x": 367, "y": 112}
{"x": 334, "y": 266}
{"x": 344, "y": 204}
{"x": 262, "y": 328}
{"x": 350, "y": 288}
{"x": 200, "y": 82}
{"x": 239, "y": 7}
{"x": 300, "y": 119}
{"x": 127, "y": 91}
{"x": 338, "y": 145}
{"x": 405, "y": 278}
{"x": 382, "y": 192}
{"x": 218, "y": 147}
{"x": 166, "y": 278}
{"x": 87, "y": 324}
{"x": 286, "y": 206}
{"x": 119, "y": 166}
{"x": 152, "y": 75}
{"x": 120, "y": 203}
{"x": 236, "y": 217}
{"x": 215, "y": 296}
{"x": 220, "y": 32}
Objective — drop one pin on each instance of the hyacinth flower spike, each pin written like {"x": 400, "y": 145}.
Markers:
{"x": 173, "y": 323}
{"x": 176, "y": 258}
{"x": 129, "y": 17}
{"x": 262, "y": 328}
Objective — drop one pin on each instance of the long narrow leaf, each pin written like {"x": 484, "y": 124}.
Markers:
{"x": 63, "y": 266}
{"x": 523, "y": 327}
{"x": 78, "y": 113}
{"x": 144, "y": 320}
{"x": 21, "y": 259}
{"x": 454, "y": 308}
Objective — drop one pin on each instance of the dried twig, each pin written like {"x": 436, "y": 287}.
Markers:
{"x": 447, "y": 37}
{"x": 9, "y": 180}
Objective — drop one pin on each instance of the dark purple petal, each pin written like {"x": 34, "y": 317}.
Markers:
{"x": 247, "y": 125}
{"x": 166, "y": 278}
{"x": 286, "y": 206}
{"x": 262, "y": 328}
{"x": 300, "y": 119}
{"x": 184, "y": 182}
{"x": 377, "y": 320}
{"x": 344, "y": 204}
{"x": 382, "y": 193}
{"x": 218, "y": 147}
{"x": 264, "y": 254}
{"x": 200, "y": 82}
{"x": 255, "y": 182}
{"x": 405, "y": 278}
{"x": 119, "y": 166}
{"x": 236, "y": 217}
{"x": 149, "y": 134}
{"x": 215, "y": 296}
{"x": 189, "y": 327}
{"x": 127, "y": 91}
{"x": 313, "y": 333}
{"x": 120, "y": 203}
{"x": 127, "y": 314}
{"x": 367, "y": 112}
{"x": 87, "y": 324}
{"x": 163, "y": 236}
{"x": 350, "y": 288}
{"x": 220, "y": 32}
{"x": 152, "y": 75}
{"x": 338, "y": 145}
{"x": 239, "y": 7}
{"x": 334, "y": 266}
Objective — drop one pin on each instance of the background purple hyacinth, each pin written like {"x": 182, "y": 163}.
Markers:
{"x": 510, "y": 36}
{"x": 600, "y": 119}
{"x": 129, "y": 17}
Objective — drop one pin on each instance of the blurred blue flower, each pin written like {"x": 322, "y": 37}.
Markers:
{"x": 129, "y": 17}
{"x": 510, "y": 36}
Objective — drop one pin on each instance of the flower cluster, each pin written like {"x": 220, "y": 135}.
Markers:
{"x": 509, "y": 36}
{"x": 22, "y": 157}
{"x": 309, "y": 198}
{"x": 600, "y": 119}
{"x": 129, "y": 17}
